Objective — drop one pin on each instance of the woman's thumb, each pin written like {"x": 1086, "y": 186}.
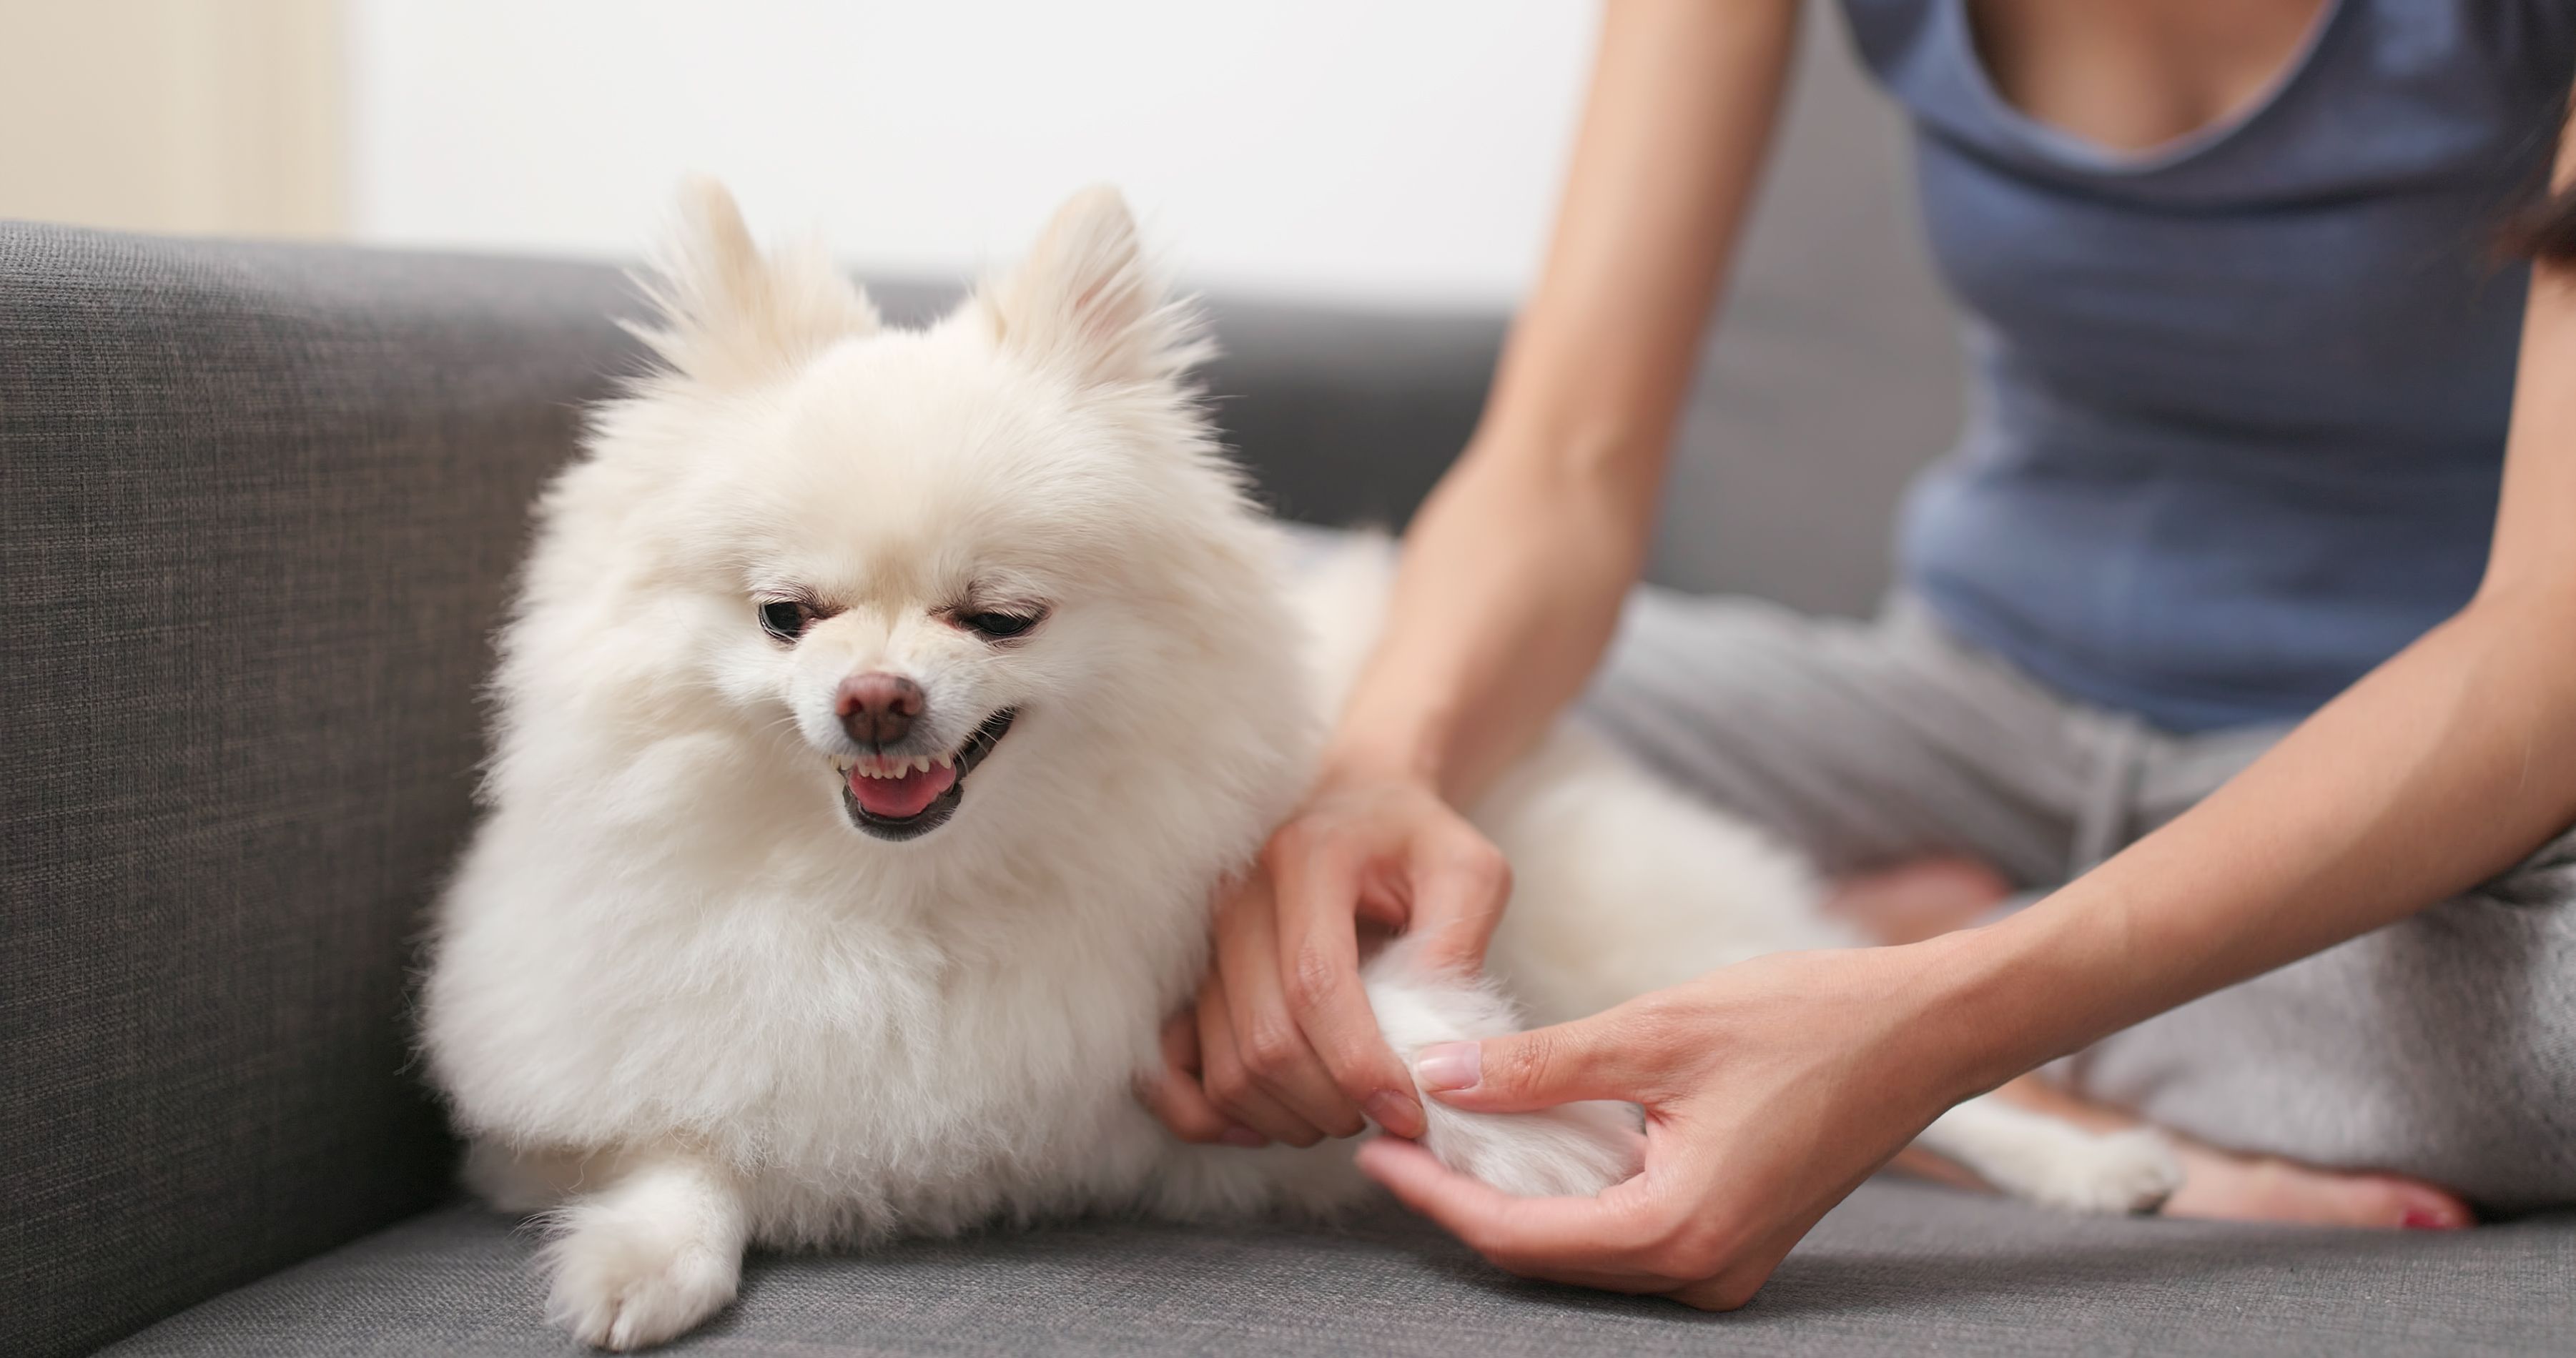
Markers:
{"x": 1525, "y": 1071}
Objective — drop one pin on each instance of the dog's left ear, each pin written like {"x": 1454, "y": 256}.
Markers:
{"x": 730, "y": 314}
{"x": 1088, "y": 302}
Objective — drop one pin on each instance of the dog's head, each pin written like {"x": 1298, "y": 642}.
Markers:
{"x": 906, "y": 564}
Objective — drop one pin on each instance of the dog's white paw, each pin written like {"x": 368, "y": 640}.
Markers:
{"x": 1574, "y": 1150}
{"x": 629, "y": 1282}
{"x": 2122, "y": 1172}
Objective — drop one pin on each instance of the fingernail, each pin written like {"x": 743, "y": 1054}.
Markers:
{"x": 1243, "y": 1136}
{"x": 1394, "y": 1112}
{"x": 2426, "y": 1219}
{"x": 1450, "y": 1066}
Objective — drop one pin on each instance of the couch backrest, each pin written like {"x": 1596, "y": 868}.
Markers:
{"x": 258, "y": 509}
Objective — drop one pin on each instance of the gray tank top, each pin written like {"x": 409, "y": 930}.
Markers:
{"x": 2240, "y": 400}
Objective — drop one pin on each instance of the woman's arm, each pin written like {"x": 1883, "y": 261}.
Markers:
{"x": 2438, "y": 770}
{"x": 1774, "y": 1087}
{"x": 1510, "y": 586}
{"x": 1516, "y": 566}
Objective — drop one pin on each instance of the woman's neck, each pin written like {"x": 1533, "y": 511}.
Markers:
{"x": 2132, "y": 75}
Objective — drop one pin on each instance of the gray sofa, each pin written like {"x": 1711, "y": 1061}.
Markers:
{"x": 259, "y": 507}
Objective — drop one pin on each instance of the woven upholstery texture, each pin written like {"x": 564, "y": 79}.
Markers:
{"x": 1902, "y": 1268}
{"x": 258, "y": 510}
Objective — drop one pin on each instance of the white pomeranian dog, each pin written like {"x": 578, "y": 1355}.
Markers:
{"x": 879, "y": 715}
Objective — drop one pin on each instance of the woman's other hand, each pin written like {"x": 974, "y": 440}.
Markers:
{"x": 1281, "y": 1044}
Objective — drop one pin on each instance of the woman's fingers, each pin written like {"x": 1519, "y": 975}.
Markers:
{"x": 1771, "y": 1089}
{"x": 1461, "y": 883}
{"x": 1318, "y": 944}
{"x": 1267, "y": 1037}
{"x": 1611, "y": 1055}
{"x": 1231, "y": 1084}
{"x": 1593, "y": 1242}
{"x": 1174, "y": 1096}
{"x": 1640, "y": 1236}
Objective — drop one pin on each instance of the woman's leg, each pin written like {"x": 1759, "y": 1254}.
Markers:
{"x": 1864, "y": 745}
{"x": 1918, "y": 899}
{"x": 2222, "y": 1185}
{"x": 2443, "y": 1046}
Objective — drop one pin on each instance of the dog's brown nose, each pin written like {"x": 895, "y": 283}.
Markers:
{"x": 878, "y": 708}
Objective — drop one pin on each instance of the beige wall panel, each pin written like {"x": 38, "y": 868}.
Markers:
{"x": 223, "y": 116}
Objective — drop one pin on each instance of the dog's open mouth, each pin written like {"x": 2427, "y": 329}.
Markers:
{"x": 899, "y": 798}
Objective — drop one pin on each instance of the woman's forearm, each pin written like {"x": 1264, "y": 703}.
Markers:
{"x": 2441, "y": 769}
{"x": 1506, "y": 598}
{"x": 1514, "y": 570}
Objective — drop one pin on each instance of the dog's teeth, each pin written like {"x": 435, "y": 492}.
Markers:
{"x": 921, "y": 763}
{"x": 945, "y": 760}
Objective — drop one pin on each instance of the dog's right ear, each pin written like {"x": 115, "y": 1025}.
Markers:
{"x": 729, "y": 315}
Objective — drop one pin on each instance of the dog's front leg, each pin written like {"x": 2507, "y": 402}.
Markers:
{"x": 650, "y": 1254}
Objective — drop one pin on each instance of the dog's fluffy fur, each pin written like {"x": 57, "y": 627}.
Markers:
{"x": 688, "y": 994}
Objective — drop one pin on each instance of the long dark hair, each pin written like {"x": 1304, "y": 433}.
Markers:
{"x": 2546, "y": 230}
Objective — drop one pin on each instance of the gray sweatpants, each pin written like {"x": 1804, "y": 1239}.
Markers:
{"x": 2443, "y": 1046}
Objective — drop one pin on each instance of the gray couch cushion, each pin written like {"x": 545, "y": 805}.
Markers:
{"x": 1900, "y": 1268}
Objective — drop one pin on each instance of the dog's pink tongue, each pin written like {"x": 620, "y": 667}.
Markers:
{"x": 899, "y": 798}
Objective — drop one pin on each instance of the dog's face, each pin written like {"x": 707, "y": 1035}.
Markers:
{"x": 930, "y": 549}
{"x": 923, "y": 553}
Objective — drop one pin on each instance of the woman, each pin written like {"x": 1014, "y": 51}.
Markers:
{"x": 2247, "y": 411}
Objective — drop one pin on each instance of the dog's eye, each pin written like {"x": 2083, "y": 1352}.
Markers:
{"x": 786, "y": 619}
{"x": 998, "y": 626}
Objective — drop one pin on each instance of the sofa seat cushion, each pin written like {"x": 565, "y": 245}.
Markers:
{"x": 1900, "y": 1268}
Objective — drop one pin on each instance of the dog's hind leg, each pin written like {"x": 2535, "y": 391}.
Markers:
{"x": 2053, "y": 1162}
{"x": 650, "y": 1254}
{"x": 1623, "y": 884}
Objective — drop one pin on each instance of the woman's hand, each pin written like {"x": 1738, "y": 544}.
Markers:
{"x": 1513, "y": 574}
{"x": 1771, "y": 1089}
{"x": 1282, "y": 1045}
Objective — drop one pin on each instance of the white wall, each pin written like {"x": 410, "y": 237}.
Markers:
{"x": 1385, "y": 152}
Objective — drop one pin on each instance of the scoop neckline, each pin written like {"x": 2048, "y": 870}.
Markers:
{"x": 2093, "y": 155}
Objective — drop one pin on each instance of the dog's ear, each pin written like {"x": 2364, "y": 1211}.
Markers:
{"x": 729, "y": 314}
{"x": 1088, "y": 301}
